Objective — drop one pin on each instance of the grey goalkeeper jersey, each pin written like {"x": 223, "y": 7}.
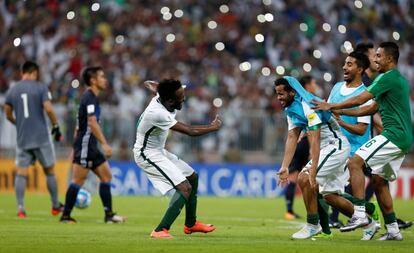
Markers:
{"x": 27, "y": 97}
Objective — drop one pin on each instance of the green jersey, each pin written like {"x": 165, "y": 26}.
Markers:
{"x": 391, "y": 92}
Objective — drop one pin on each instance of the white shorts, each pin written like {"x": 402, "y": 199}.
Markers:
{"x": 164, "y": 169}
{"x": 382, "y": 156}
{"x": 332, "y": 174}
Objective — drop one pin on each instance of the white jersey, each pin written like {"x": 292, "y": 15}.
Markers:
{"x": 153, "y": 126}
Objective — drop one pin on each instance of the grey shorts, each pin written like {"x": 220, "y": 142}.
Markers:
{"x": 27, "y": 157}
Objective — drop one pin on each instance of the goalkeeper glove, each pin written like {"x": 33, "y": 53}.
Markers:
{"x": 57, "y": 135}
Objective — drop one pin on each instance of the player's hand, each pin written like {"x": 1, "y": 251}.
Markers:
{"x": 336, "y": 116}
{"x": 320, "y": 105}
{"x": 282, "y": 175}
{"x": 57, "y": 135}
{"x": 216, "y": 123}
{"x": 107, "y": 150}
{"x": 151, "y": 86}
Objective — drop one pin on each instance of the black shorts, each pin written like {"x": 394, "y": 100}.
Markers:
{"x": 89, "y": 157}
{"x": 301, "y": 156}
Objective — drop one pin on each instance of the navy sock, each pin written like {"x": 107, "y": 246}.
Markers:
{"x": 105, "y": 193}
{"x": 289, "y": 196}
{"x": 71, "y": 195}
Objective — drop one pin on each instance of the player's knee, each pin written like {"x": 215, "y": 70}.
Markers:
{"x": 378, "y": 182}
{"x": 355, "y": 163}
{"x": 49, "y": 170}
{"x": 106, "y": 178}
{"x": 185, "y": 188}
{"x": 303, "y": 179}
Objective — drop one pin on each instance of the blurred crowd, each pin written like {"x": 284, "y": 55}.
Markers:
{"x": 227, "y": 53}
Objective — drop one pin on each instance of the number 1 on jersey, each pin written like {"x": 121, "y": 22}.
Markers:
{"x": 25, "y": 105}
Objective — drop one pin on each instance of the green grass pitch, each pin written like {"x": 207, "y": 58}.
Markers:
{"x": 243, "y": 225}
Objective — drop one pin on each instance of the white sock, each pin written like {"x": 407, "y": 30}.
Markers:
{"x": 392, "y": 228}
{"x": 359, "y": 211}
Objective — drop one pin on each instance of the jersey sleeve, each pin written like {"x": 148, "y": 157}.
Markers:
{"x": 44, "y": 93}
{"x": 9, "y": 98}
{"x": 291, "y": 125}
{"x": 164, "y": 121}
{"x": 312, "y": 117}
{"x": 365, "y": 119}
{"x": 91, "y": 106}
{"x": 379, "y": 86}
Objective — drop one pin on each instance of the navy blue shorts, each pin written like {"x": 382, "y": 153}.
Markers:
{"x": 88, "y": 157}
{"x": 301, "y": 156}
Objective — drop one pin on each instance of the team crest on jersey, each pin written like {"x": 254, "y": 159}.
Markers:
{"x": 311, "y": 116}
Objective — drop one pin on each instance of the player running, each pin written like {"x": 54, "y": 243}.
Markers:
{"x": 384, "y": 153}
{"x": 86, "y": 155}
{"x": 165, "y": 170}
{"x": 29, "y": 99}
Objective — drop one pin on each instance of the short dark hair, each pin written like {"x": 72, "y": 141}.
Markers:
{"x": 391, "y": 49}
{"x": 363, "y": 47}
{"x": 362, "y": 59}
{"x": 305, "y": 80}
{"x": 167, "y": 88}
{"x": 90, "y": 72}
{"x": 284, "y": 82}
{"x": 29, "y": 67}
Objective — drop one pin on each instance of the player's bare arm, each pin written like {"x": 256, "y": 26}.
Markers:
{"x": 48, "y": 107}
{"x": 198, "y": 130}
{"x": 97, "y": 132}
{"x": 314, "y": 140}
{"x": 370, "y": 109}
{"x": 358, "y": 129}
{"x": 290, "y": 147}
{"x": 377, "y": 121}
{"x": 351, "y": 102}
{"x": 8, "y": 110}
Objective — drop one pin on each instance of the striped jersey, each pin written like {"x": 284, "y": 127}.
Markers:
{"x": 153, "y": 126}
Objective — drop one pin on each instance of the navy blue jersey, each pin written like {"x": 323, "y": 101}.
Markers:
{"x": 88, "y": 106}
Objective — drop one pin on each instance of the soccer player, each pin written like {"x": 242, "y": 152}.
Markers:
{"x": 384, "y": 153}
{"x": 371, "y": 72}
{"x": 86, "y": 155}
{"x": 300, "y": 158}
{"x": 356, "y": 129}
{"x": 329, "y": 152}
{"x": 29, "y": 99}
{"x": 165, "y": 170}
{"x": 367, "y": 78}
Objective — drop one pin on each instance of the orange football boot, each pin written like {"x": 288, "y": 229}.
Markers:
{"x": 161, "y": 234}
{"x": 199, "y": 227}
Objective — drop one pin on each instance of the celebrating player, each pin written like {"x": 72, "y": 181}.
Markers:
{"x": 28, "y": 99}
{"x": 300, "y": 158}
{"x": 86, "y": 155}
{"x": 165, "y": 170}
{"x": 384, "y": 153}
{"x": 329, "y": 151}
{"x": 356, "y": 129}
